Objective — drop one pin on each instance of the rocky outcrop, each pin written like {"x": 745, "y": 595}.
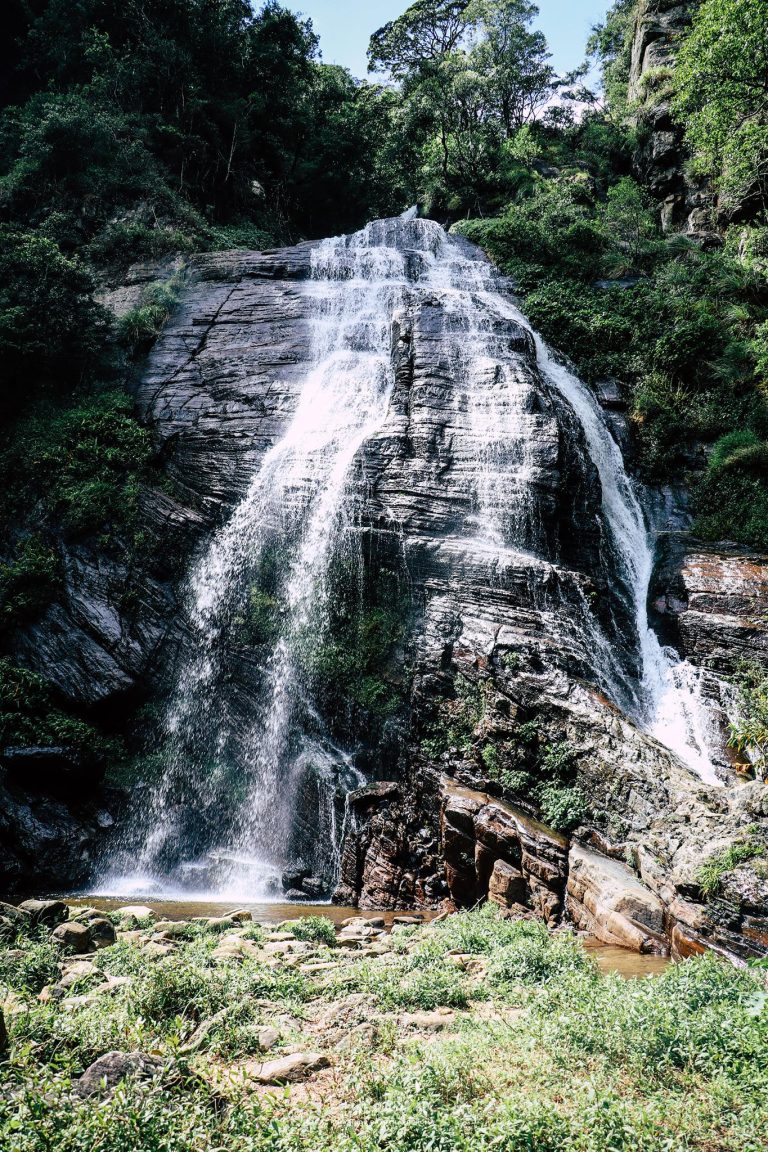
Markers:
{"x": 713, "y": 600}
{"x": 607, "y": 900}
{"x": 49, "y": 842}
{"x": 494, "y": 850}
{"x": 660, "y": 157}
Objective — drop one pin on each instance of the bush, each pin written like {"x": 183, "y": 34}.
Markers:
{"x": 316, "y": 929}
{"x": 84, "y": 463}
{"x": 51, "y": 330}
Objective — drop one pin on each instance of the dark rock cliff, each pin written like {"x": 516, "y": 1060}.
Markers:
{"x": 497, "y": 645}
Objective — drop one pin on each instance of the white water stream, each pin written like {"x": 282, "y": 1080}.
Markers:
{"x": 295, "y": 516}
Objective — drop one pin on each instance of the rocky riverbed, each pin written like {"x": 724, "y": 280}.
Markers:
{"x": 478, "y": 1029}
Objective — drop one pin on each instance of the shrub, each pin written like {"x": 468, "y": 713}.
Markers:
{"x": 316, "y": 929}
{"x": 29, "y": 582}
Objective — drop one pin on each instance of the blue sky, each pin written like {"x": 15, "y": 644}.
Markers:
{"x": 344, "y": 27}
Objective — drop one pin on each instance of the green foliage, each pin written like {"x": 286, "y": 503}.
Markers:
{"x": 81, "y": 465}
{"x": 316, "y": 929}
{"x": 51, "y": 330}
{"x": 141, "y": 326}
{"x": 709, "y": 876}
{"x": 722, "y": 97}
{"x": 749, "y": 729}
{"x": 29, "y": 582}
{"x": 356, "y": 658}
{"x": 29, "y": 714}
{"x": 541, "y": 1052}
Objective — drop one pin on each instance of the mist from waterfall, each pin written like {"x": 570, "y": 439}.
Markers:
{"x": 294, "y": 522}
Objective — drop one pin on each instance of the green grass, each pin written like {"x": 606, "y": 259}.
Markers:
{"x": 541, "y": 1052}
{"x": 710, "y": 875}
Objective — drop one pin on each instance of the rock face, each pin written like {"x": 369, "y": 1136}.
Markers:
{"x": 492, "y": 849}
{"x": 660, "y": 157}
{"x": 478, "y": 493}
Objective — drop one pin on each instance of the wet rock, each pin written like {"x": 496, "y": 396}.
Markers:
{"x": 53, "y": 769}
{"x": 606, "y": 899}
{"x": 47, "y": 912}
{"x": 288, "y": 1069}
{"x": 73, "y": 936}
{"x": 103, "y": 1076}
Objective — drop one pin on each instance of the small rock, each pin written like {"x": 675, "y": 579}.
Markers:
{"x": 47, "y": 912}
{"x": 241, "y": 916}
{"x": 155, "y": 951}
{"x": 52, "y": 993}
{"x": 267, "y": 1037}
{"x": 73, "y": 935}
{"x": 102, "y": 933}
{"x": 408, "y": 920}
{"x": 107, "y": 1072}
{"x": 288, "y": 1069}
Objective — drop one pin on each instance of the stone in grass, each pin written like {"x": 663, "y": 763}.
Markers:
{"x": 110, "y": 1069}
{"x": 102, "y": 933}
{"x": 73, "y": 935}
{"x": 287, "y": 1069}
{"x": 47, "y": 912}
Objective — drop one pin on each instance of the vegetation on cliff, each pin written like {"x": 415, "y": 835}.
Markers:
{"x": 474, "y": 1033}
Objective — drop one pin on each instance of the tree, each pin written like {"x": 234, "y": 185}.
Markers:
{"x": 424, "y": 34}
{"x": 514, "y": 59}
{"x": 477, "y": 74}
{"x": 722, "y": 97}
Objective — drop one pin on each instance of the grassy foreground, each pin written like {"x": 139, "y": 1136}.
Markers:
{"x": 471, "y": 1033}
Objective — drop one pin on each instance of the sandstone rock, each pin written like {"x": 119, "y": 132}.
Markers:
{"x": 74, "y": 936}
{"x": 495, "y": 849}
{"x": 109, "y": 1070}
{"x": 606, "y": 899}
{"x": 288, "y": 1069}
{"x": 48, "y": 912}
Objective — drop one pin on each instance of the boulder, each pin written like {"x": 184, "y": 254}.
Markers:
{"x": 73, "y": 936}
{"x": 102, "y": 932}
{"x": 109, "y": 1070}
{"x": 47, "y": 912}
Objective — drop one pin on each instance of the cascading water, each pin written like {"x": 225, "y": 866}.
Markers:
{"x": 220, "y": 818}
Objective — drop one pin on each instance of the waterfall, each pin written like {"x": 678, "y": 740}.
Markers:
{"x": 220, "y": 818}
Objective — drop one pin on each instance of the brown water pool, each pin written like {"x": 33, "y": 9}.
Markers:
{"x": 609, "y": 958}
